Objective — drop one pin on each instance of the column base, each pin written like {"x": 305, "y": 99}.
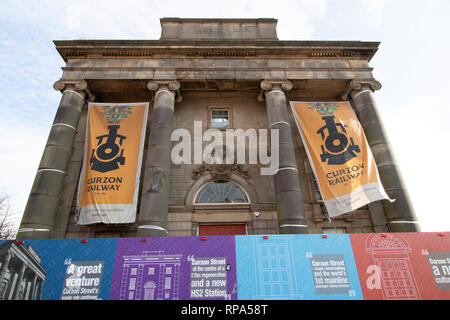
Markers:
{"x": 293, "y": 229}
{"x": 404, "y": 226}
{"x": 149, "y": 230}
{"x": 33, "y": 232}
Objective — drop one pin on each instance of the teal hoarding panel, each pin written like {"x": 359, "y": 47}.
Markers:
{"x": 309, "y": 267}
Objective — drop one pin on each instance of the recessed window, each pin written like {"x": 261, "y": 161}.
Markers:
{"x": 220, "y": 119}
{"x": 221, "y": 191}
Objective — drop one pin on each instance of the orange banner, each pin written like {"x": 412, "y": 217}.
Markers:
{"x": 340, "y": 157}
{"x": 109, "y": 181}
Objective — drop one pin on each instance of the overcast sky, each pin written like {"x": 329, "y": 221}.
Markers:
{"x": 412, "y": 64}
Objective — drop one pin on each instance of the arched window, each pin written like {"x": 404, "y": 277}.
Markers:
{"x": 221, "y": 191}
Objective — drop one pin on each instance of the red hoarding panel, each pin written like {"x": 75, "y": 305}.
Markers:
{"x": 403, "y": 266}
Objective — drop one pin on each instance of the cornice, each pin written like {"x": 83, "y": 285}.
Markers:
{"x": 69, "y": 49}
{"x": 221, "y": 20}
{"x": 225, "y": 43}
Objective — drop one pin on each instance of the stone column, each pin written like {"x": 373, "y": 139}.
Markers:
{"x": 288, "y": 196}
{"x": 40, "y": 211}
{"x": 4, "y": 268}
{"x": 33, "y": 287}
{"x": 26, "y": 289}
{"x": 19, "y": 282}
{"x": 400, "y": 214}
{"x": 41, "y": 285}
{"x": 153, "y": 212}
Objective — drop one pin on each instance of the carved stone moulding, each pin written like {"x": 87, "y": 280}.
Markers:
{"x": 221, "y": 171}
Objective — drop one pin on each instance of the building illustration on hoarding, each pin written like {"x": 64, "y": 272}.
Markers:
{"x": 274, "y": 269}
{"x": 21, "y": 274}
{"x": 174, "y": 268}
{"x": 290, "y": 267}
{"x": 390, "y": 252}
{"x": 152, "y": 275}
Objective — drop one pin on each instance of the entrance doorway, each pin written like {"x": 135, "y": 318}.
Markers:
{"x": 221, "y": 229}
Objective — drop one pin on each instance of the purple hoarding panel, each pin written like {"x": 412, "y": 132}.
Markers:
{"x": 179, "y": 268}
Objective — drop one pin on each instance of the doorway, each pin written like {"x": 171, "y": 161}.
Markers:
{"x": 221, "y": 229}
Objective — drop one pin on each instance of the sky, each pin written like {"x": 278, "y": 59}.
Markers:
{"x": 411, "y": 64}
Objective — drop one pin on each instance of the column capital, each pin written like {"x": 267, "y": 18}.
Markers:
{"x": 269, "y": 85}
{"x": 77, "y": 86}
{"x": 359, "y": 85}
{"x": 168, "y": 85}
{"x": 155, "y": 85}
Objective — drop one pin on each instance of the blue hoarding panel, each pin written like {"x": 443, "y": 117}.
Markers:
{"x": 74, "y": 269}
{"x": 296, "y": 267}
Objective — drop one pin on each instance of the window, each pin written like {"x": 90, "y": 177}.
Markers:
{"x": 151, "y": 271}
{"x": 169, "y": 270}
{"x": 220, "y": 118}
{"x": 132, "y": 284}
{"x": 274, "y": 269}
{"x": 167, "y": 282}
{"x": 221, "y": 191}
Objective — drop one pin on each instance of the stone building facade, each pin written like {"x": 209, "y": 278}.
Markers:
{"x": 218, "y": 71}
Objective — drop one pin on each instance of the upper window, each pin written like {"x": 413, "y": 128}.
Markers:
{"x": 221, "y": 191}
{"x": 220, "y": 119}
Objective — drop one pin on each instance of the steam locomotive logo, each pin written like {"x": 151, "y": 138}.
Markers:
{"x": 109, "y": 153}
{"x": 337, "y": 147}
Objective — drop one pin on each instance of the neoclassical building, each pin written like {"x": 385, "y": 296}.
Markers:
{"x": 152, "y": 275}
{"x": 21, "y": 273}
{"x": 226, "y": 73}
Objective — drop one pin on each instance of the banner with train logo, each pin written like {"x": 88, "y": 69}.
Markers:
{"x": 109, "y": 181}
{"x": 339, "y": 154}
